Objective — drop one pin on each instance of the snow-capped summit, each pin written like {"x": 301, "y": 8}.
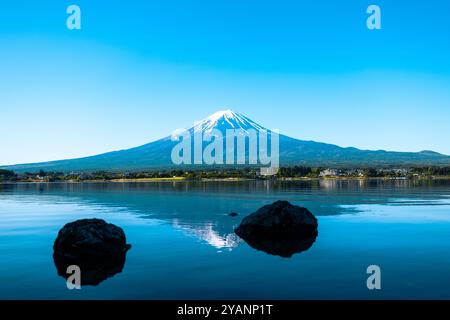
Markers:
{"x": 226, "y": 119}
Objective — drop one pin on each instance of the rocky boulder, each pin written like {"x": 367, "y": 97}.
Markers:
{"x": 97, "y": 247}
{"x": 279, "y": 228}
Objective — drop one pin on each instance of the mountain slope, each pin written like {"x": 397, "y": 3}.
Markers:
{"x": 157, "y": 155}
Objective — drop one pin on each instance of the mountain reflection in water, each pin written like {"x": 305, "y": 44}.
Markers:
{"x": 207, "y": 234}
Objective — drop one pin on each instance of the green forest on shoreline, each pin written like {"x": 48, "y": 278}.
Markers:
{"x": 295, "y": 172}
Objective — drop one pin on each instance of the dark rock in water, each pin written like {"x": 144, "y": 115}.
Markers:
{"x": 90, "y": 238}
{"x": 279, "y": 219}
{"x": 279, "y": 229}
{"x": 97, "y": 247}
{"x": 233, "y": 214}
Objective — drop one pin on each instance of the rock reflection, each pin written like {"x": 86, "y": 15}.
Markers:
{"x": 93, "y": 270}
{"x": 284, "y": 247}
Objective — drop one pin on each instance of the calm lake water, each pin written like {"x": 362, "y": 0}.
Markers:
{"x": 184, "y": 247}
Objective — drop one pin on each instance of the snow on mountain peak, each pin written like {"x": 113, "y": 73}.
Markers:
{"x": 226, "y": 119}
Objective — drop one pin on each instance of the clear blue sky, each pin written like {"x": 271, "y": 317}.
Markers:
{"x": 137, "y": 71}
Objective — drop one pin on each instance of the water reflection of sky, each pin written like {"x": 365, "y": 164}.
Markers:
{"x": 402, "y": 210}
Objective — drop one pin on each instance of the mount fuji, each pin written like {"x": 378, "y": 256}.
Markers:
{"x": 157, "y": 155}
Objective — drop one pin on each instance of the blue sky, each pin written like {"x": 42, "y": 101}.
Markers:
{"x": 137, "y": 71}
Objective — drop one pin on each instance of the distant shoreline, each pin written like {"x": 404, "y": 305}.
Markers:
{"x": 183, "y": 179}
{"x": 295, "y": 173}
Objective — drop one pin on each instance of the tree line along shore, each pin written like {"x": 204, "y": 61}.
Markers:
{"x": 286, "y": 173}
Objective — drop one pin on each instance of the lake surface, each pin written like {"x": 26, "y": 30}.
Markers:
{"x": 184, "y": 247}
